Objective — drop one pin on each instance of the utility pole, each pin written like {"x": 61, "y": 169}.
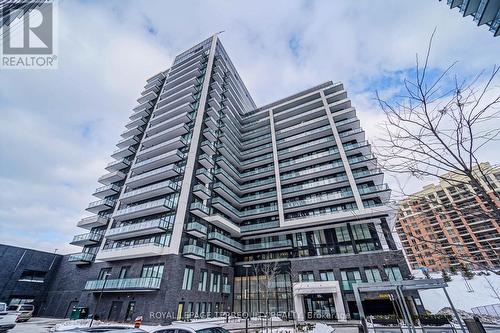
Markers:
{"x": 100, "y": 296}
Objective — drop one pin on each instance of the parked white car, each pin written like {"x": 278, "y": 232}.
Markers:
{"x": 192, "y": 328}
{"x": 7, "y": 320}
{"x": 23, "y": 312}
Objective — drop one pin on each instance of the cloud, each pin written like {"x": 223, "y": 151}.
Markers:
{"x": 61, "y": 126}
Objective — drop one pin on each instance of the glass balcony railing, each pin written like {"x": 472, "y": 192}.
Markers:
{"x": 304, "y": 134}
{"x": 111, "y": 187}
{"x": 81, "y": 257}
{"x": 268, "y": 245}
{"x": 163, "y": 185}
{"x": 167, "y": 203}
{"x": 105, "y": 202}
{"x": 158, "y": 158}
{"x": 331, "y": 151}
{"x": 307, "y": 144}
{"x": 194, "y": 250}
{"x": 225, "y": 239}
{"x": 213, "y": 256}
{"x": 201, "y": 188}
{"x": 318, "y": 199}
{"x": 196, "y": 226}
{"x": 311, "y": 170}
{"x": 351, "y": 132}
{"x": 200, "y": 206}
{"x": 91, "y": 236}
{"x": 119, "y": 284}
{"x": 157, "y": 223}
{"x": 346, "y": 121}
{"x": 259, "y": 226}
{"x": 119, "y": 247}
{"x": 371, "y": 189}
{"x": 351, "y": 146}
{"x": 204, "y": 172}
{"x": 314, "y": 184}
{"x": 353, "y": 160}
{"x": 125, "y": 161}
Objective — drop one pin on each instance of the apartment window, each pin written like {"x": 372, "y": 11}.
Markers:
{"x": 373, "y": 275}
{"x": 343, "y": 239}
{"x": 187, "y": 280}
{"x": 215, "y": 282}
{"x": 202, "y": 285}
{"x": 349, "y": 277}
{"x": 393, "y": 273}
{"x": 306, "y": 276}
{"x": 124, "y": 272}
{"x": 361, "y": 231}
{"x": 103, "y": 272}
{"x": 152, "y": 271}
{"x": 29, "y": 275}
{"x": 326, "y": 276}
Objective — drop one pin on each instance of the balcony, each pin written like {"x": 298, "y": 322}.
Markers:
{"x": 317, "y": 201}
{"x": 168, "y": 128}
{"x": 106, "y": 191}
{"x": 118, "y": 165}
{"x": 135, "y": 122}
{"x": 130, "y": 141}
{"x": 259, "y": 226}
{"x": 142, "y": 106}
{"x": 267, "y": 246}
{"x": 81, "y": 258}
{"x": 157, "y": 161}
{"x": 139, "y": 229}
{"x": 93, "y": 222}
{"x": 154, "y": 175}
{"x": 199, "y": 209}
{"x": 224, "y": 223}
{"x": 225, "y": 242}
{"x": 101, "y": 205}
{"x": 208, "y": 147}
{"x": 112, "y": 177}
{"x": 150, "y": 191}
{"x": 149, "y": 208}
{"x": 209, "y": 134}
{"x": 161, "y": 148}
{"x": 204, "y": 175}
{"x": 124, "y": 285}
{"x": 201, "y": 191}
{"x": 161, "y": 114}
{"x": 193, "y": 252}
{"x": 131, "y": 251}
{"x": 206, "y": 161}
{"x": 218, "y": 259}
{"x": 91, "y": 238}
{"x": 132, "y": 131}
{"x": 123, "y": 152}
{"x": 382, "y": 191}
{"x": 196, "y": 229}
{"x": 146, "y": 98}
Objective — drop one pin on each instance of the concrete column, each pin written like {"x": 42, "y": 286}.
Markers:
{"x": 339, "y": 306}
{"x": 298, "y": 303}
{"x": 342, "y": 153}
{"x": 182, "y": 206}
{"x": 381, "y": 236}
{"x": 281, "y": 213}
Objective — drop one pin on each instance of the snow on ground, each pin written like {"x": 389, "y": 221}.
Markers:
{"x": 481, "y": 294}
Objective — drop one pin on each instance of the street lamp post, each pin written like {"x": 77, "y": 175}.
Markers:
{"x": 100, "y": 296}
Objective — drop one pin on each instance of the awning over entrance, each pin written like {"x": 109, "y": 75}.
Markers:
{"x": 397, "y": 288}
{"x": 311, "y": 291}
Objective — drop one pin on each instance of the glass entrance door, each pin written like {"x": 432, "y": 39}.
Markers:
{"x": 319, "y": 307}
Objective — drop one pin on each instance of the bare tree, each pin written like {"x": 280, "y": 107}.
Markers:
{"x": 266, "y": 274}
{"x": 439, "y": 126}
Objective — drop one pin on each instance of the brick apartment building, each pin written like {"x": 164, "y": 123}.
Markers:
{"x": 446, "y": 224}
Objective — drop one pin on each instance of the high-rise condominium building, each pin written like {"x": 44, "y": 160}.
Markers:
{"x": 482, "y": 11}
{"x": 205, "y": 188}
{"x": 447, "y": 224}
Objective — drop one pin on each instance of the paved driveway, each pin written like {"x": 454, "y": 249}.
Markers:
{"x": 36, "y": 325}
